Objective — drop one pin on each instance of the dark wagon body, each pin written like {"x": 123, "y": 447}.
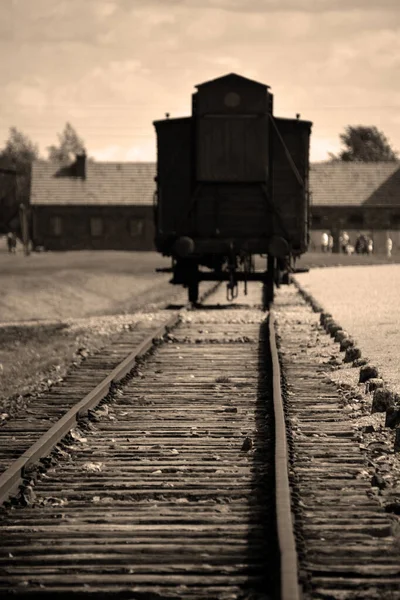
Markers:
{"x": 232, "y": 182}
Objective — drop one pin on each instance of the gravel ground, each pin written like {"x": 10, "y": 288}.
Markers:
{"x": 374, "y": 440}
{"x": 364, "y": 300}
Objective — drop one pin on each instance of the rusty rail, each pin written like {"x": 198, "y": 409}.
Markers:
{"x": 284, "y": 517}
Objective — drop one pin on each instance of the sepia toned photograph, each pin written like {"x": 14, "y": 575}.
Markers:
{"x": 200, "y": 300}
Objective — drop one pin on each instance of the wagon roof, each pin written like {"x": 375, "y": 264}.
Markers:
{"x": 232, "y": 76}
{"x": 355, "y": 184}
{"x": 127, "y": 183}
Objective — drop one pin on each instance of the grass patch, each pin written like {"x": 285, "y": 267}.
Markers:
{"x": 30, "y": 355}
{"x": 32, "y": 358}
{"x": 12, "y": 336}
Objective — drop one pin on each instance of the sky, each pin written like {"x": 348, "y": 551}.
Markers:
{"x": 112, "y": 67}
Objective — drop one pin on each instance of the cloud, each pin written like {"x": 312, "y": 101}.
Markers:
{"x": 32, "y": 97}
{"x": 115, "y": 83}
{"x": 231, "y": 63}
{"x": 7, "y": 21}
{"x": 125, "y": 82}
{"x": 106, "y": 9}
{"x": 205, "y": 28}
{"x": 152, "y": 18}
{"x": 143, "y": 152}
{"x": 106, "y": 39}
{"x": 108, "y": 153}
{"x": 267, "y": 6}
{"x": 293, "y": 24}
{"x": 30, "y": 94}
{"x": 57, "y": 21}
{"x": 112, "y": 67}
{"x": 321, "y": 146}
{"x": 362, "y": 55}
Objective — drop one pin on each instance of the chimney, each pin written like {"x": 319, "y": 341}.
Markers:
{"x": 80, "y": 165}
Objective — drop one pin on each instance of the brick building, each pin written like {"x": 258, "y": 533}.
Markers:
{"x": 357, "y": 198}
{"x": 92, "y": 205}
{"x": 109, "y": 206}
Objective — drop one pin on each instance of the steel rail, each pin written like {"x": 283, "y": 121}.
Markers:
{"x": 12, "y": 477}
{"x": 289, "y": 589}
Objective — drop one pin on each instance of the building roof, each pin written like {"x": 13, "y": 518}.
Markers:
{"x": 132, "y": 183}
{"x": 105, "y": 183}
{"x": 355, "y": 184}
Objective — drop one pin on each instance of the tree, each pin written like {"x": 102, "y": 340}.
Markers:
{"x": 365, "y": 144}
{"x": 69, "y": 145}
{"x": 18, "y": 153}
{"x": 19, "y": 150}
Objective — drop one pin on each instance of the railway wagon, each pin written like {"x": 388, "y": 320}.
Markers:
{"x": 232, "y": 183}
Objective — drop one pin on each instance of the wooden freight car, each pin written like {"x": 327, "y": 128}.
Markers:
{"x": 232, "y": 182}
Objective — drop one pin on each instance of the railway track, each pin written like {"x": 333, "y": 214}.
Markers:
{"x": 172, "y": 487}
{"x": 166, "y": 488}
{"x": 19, "y": 434}
{"x": 92, "y": 377}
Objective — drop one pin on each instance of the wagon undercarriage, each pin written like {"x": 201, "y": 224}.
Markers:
{"x": 187, "y": 272}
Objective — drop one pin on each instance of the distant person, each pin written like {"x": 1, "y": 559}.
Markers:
{"x": 324, "y": 242}
{"x": 389, "y": 246}
{"x": 364, "y": 245}
{"x": 370, "y": 246}
{"x": 344, "y": 241}
{"x": 330, "y": 243}
{"x": 361, "y": 244}
{"x": 11, "y": 242}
